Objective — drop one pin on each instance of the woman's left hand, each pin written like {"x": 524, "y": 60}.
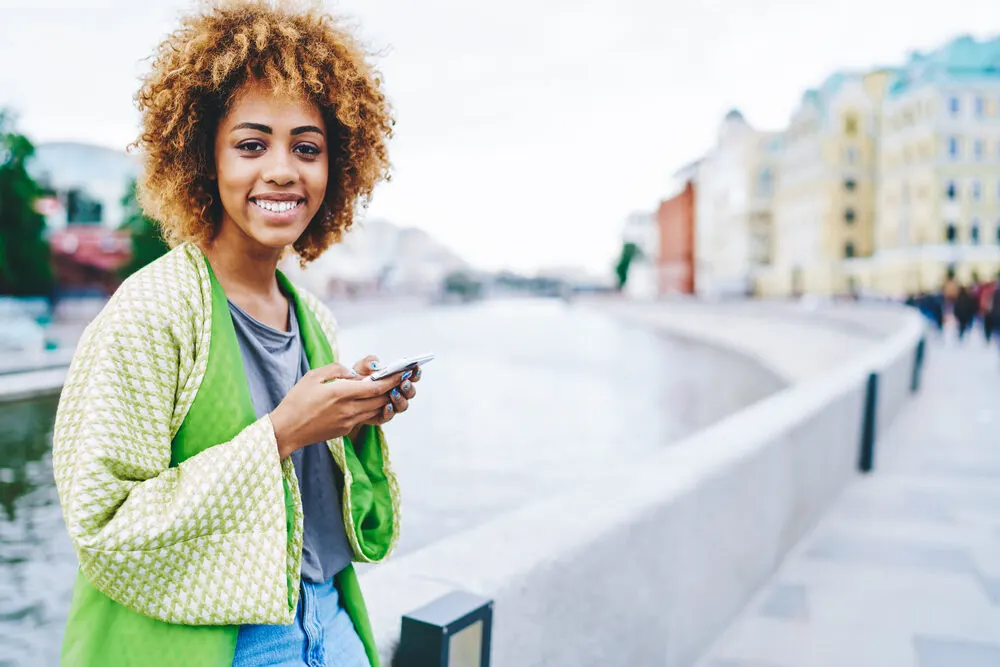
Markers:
{"x": 399, "y": 397}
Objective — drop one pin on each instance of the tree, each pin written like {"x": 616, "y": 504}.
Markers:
{"x": 147, "y": 242}
{"x": 25, "y": 261}
{"x": 630, "y": 251}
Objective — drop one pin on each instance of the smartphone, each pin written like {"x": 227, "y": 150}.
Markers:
{"x": 399, "y": 365}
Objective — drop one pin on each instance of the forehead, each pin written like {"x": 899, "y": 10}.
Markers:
{"x": 259, "y": 104}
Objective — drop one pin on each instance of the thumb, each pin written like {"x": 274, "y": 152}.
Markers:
{"x": 335, "y": 371}
{"x": 366, "y": 366}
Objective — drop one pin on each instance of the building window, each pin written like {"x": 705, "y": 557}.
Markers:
{"x": 850, "y": 125}
{"x": 848, "y": 250}
{"x": 980, "y": 107}
{"x": 977, "y": 149}
{"x": 977, "y": 190}
{"x": 951, "y": 190}
{"x": 953, "y": 105}
{"x": 953, "y": 147}
{"x": 83, "y": 209}
{"x": 950, "y": 232}
{"x": 765, "y": 182}
{"x": 974, "y": 232}
{"x": 850, "y": 184}
{"x": 849, "y": 216}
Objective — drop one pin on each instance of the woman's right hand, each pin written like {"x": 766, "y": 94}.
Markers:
{"x": 328, "y": 402}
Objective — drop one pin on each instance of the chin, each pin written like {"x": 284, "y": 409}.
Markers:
{"x": 277, "y": 238}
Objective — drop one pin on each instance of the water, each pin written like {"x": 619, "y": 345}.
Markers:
{"x": 524, "y": 398}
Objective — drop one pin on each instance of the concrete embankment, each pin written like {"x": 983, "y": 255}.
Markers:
{"x": 650, "y": 564}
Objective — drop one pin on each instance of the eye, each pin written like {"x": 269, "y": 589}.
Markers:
{"x": 308, "y": 149}
{"x": 251, "y": 146}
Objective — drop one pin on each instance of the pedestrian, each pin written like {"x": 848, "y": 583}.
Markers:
{"x": 986, "y": 308}
{"x": 218, "y": 468}
{"x": 966, "y": 307}
{"x": 993, "y": 314}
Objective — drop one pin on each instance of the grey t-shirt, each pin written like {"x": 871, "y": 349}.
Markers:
{"x": 274, "y": 361}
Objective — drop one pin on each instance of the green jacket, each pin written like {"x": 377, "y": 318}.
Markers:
{"x": 185, "y": 522}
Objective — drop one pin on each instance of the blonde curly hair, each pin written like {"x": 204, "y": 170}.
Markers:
{"x": 198, "y": 71}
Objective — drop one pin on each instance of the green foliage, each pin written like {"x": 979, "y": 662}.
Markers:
{"x": 630, "y": 252}
{"x": 25, "y": 261}
{"x": 147, "y": 242}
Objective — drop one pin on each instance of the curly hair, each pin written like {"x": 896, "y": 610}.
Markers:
{"x": 200, "y": 69}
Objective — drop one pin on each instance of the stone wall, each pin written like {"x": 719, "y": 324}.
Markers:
{"x": 649, "y": 567}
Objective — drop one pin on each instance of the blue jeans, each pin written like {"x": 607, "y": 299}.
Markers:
{"x": 323, "y": 635}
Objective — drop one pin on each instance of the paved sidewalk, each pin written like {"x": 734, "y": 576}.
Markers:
{"x": 904, "y": 570}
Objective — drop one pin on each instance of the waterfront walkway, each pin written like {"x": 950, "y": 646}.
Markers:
{"x": 904, "y": 569}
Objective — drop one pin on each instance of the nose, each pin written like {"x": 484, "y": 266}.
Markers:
{"x": 279, "y": 169}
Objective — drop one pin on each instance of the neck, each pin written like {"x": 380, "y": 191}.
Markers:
{"x": 242, "y": 265}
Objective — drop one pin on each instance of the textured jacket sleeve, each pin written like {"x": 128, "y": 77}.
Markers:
{"x": 201, "y": 543}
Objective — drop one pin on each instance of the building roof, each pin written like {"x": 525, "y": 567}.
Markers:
{"x": 962, "y": 59}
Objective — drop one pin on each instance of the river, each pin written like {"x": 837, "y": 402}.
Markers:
{"x": 525, "y": 397}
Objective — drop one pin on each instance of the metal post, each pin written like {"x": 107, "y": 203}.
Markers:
{"x": 867, "y": 459}
{"x": 918, "y": 365}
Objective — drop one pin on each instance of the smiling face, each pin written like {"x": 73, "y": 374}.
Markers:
{"x": 271, "y": 166}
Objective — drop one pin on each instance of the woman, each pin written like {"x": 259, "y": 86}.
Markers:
{"x": 218, "y": 470}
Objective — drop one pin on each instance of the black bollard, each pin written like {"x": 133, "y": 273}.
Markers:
{"x": 867, "y": 459}
{"x": 453, "y": 631}
{"x": 918, "y": 365}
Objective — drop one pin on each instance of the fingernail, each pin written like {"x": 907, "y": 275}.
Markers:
{"x": 353, "y": 372}
{"x": 407, "y": 374}
{"x": 388, "y": 408}
{"x": 374, "y": 365}
{"x": 416, "y": 374}
{"x": 405, "y": 386}
{"x": 395, "y": 394}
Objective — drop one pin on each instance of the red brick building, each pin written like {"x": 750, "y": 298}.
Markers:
{"x": 675, "y": 263}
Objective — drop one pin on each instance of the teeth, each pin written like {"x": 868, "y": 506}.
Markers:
{"x": 276, "y": 206}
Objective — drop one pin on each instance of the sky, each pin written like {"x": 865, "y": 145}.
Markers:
{"x": 528, "y": 130}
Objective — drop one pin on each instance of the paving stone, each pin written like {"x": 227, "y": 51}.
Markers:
{"x": 850, "y": 549}
{"x": 935, "y": 652}
{"x": 788, "y": 601}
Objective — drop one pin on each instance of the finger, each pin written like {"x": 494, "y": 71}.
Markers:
{"x": 367, "y": 366}
{"x": 417, "y": 373}
{"x": 366, "y": 406}
{"x": 332, "y": 371}
{"x": 384, "y": 386}
{"x": 378, "y": 417}
{"x": 399, "y": 401}
{"x": 407, "y": 389}
{"x": 383, "y": 415}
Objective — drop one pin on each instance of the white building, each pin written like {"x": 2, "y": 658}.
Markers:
{"x": 733, "y": 199}
{"x": 89, "y": 183}
{"x": 377, "y": 257}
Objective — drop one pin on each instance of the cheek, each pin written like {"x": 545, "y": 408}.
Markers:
{"x": 318, "y": 181}
{"x": 233, "y": 181}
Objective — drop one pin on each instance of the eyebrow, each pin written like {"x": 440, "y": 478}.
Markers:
{"x": 267, "y": 130}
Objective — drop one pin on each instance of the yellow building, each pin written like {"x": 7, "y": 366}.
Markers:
{"x": 939, "y": 202}
{"x": 824, "y": 202}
